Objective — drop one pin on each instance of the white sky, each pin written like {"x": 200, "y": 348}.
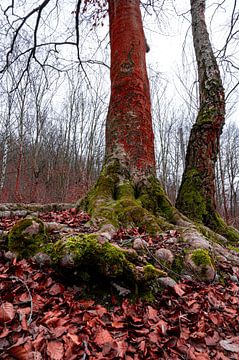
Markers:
{"x": 167, "y": 46}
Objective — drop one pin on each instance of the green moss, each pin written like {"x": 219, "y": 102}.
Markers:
{"x": 234, "y": 248}
{"x": 112, "y": 200}
{"x": 205, "y": 116}
{"x": 192, "y": 202}
{"x": 219, "y": 227}
{"x": 124, "y": 189}
{"x": 25, "y": 242}
{"x": 152, "y": 273}
{"x": 148, "y": 297}
{"x": 231, "y": 234}
{"x": 85, "y": 248}
{"x": 154, "y": 199}
{"x": 99, "y": 259}
{"x": 178, "y": 264}
{"x": 191, "y": 199}
{"x": 201, "y": 257}
{"x": 55, "y": 250}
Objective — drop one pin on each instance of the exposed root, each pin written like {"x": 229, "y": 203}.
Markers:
{"x": 121, "y": 200}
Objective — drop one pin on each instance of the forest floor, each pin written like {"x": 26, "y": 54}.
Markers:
{"x": 44, "y": 315}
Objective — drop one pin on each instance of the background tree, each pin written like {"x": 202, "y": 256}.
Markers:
{"x": 196, "y": 197}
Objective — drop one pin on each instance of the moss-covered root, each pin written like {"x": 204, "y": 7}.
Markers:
{"x": 121, "y": 201}
{"x": 27, "y": 237}
{"x": 193, "y": 203}
{"x": 92, "y": 259}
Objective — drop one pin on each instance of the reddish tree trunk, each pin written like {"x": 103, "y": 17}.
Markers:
{"x": 129, "y": 133}
{"x": 127, "y": 192}
{"x": 196, "y": 196}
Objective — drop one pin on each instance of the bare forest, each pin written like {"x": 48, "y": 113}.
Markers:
{"x": 53, "y": 112}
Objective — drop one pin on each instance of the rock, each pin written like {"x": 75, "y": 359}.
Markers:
{"x": 172, "y": 240}
{"x": 3, "y": 207}
{"x": 53, "y": 226}
{"x": 26, "y": 237}
{"x": 67, "y": 261}
{"x": 20, "y": 213}
{"x": 139, "y": 244}
{"x": 42, "y": 259}
{"x": 234, "y": 278}
{"x": 106, "y": 232}
{"x": 187, "y": 277}
{"x": 5, "y": 214}
{"x": 200, "y": 264}
{"x": 34, "y": 214}
{"x": 167, "y": 281}
{"x": 165, "y": 255}
{"x": 196, "y": 240}
{"x": 32, "y": 229}
{"x": 9, "y": 255}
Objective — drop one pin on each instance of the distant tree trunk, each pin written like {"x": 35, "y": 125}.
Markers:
{"x": 196, "y": 197}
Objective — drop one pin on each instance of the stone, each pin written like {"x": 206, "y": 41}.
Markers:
{"x": 20, "y": 213}
{"x": 67, "y": 261}
{"x": 165, "y": 255}
{"x": 5, "y": 214}
{"x": 32, "y": 229}
{"x": 9, "y": 255}
{"x": 26, "y": 237}
{"x": 106, "y": 232}
{"x": 53, "y": 226}
{"x": 42, "y": 259}
{"x": 171, "y": 241}
{"x": 204, "y": 272}
{"x": 139, "y": 244}
{"x": 167, "y": 281}
{"x": 234, "y": 278}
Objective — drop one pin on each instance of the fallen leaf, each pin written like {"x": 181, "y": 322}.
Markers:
{"x": 7, "y": 312}
{"x": 152, "y": 313}
{"x": 212, "y": 340}
{"x": 102, "y": 337}
{"x": 75, "y": 338}
{"x": 55, "y": 350}
{"x": 56, "y": 289}
{"x": 231, "y": 344}
{"x": 178, "y": 289}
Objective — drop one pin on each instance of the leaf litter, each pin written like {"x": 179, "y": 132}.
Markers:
{"x": 43, "y": 317}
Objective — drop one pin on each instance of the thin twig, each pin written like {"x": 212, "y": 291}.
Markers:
{"x": 29, "y": 294}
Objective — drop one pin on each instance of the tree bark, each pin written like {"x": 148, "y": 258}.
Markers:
{"x": 129, "y": 124}
{"x": 127, "y": 192}
{"x": 196, "y": 197}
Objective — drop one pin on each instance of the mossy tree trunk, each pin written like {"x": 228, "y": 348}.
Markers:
{"x": 127, "y": 192}
{"x": 196, "y": 198}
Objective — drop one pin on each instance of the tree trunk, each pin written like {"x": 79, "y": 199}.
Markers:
{"x": 127, "y": 192}
{"x": 129, "y": 124}
{"x": 196, "y": 198}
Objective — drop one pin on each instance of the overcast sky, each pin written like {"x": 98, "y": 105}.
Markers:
{"x": 171, "y": 45}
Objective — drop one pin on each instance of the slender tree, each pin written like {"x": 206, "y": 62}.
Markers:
{"x": 196, "y": 197}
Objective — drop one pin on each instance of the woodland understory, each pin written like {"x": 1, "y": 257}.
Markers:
{"x": 84, "y": 292}
{"x": 123, "y": 273}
